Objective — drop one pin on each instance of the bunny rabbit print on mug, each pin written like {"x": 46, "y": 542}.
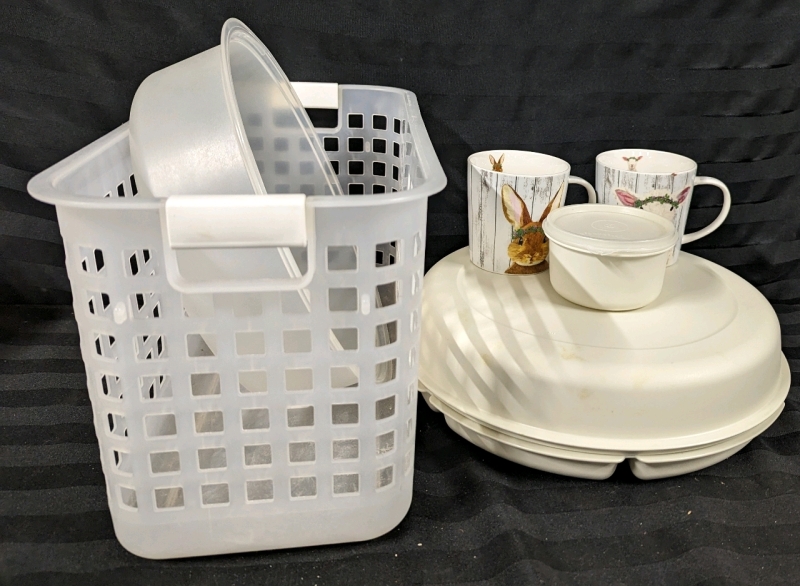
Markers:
{"x": 510, "y": 195}
{"x": 528, "y": 247}
{"x": 659, "y": 201}
{"x": 657, "y": 182}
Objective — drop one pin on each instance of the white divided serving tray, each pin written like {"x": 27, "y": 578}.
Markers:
{"x": 673, "y": 387}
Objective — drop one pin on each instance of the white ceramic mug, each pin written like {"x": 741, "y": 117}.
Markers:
{"x": 658, "y": 182}
{"x": 510, "y": 195}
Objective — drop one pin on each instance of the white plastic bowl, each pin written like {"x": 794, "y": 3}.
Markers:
{"x": 608, "y": 258}
{"x": 225, "y": 121}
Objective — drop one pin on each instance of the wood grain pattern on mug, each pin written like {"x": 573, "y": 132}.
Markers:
{"x": 499, "y": 241}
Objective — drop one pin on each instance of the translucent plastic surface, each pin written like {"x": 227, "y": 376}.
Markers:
{"x": 238, "y": 422}
{"x": 225, "y": 121}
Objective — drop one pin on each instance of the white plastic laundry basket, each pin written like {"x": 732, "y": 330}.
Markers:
{"x": 236, "y": 411}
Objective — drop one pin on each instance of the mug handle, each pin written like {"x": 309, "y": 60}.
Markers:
{"x": 588, "y": 186}
{"x": 726, "y": 207}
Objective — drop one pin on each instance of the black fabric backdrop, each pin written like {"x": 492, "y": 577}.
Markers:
{"x": 716, "y": 80}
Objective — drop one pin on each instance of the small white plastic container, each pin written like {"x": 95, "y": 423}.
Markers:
{"x": 608, "y": 258}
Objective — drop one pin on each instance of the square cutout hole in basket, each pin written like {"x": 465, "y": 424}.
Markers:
{"x": 355, "y": 144}
{"x": 252, "y": 381}
{"x": 151, "y": 347}
{"x": 253, "y": 419}
{"x": 296, "y": 341}
{"x": 98, "y": 303}
{"x": 209, "y": 422}
{"x": 386, "y": 254}
{"x": 169, "y": 498}
{"x": 302, "y": 452}
{"x": 386, "y": 334}
{"x": 379, "y": 145}
{"x": 379, "y": 122}
{"x": 256, "y": 143}
{"x": 385, "y": 408}
{"x": 345, "y": 449}
{"x": 386, "y": 294}
{"x": 331, "y": 144}
{"x": 258, "y": 455}
{"x": 250, "y": 343}
{"x": 212, "y": 458}
{"x": 342, "y": 258}
{"x": 161, "y": 425}
{"x": 355, "y": 189}
{"x": 200, "y": 345}
{"x": 345, "y": 484}
{"x": 300, "y": 416}
{"x": 281, "y": 144}
{"x": 165, "y": 462}
{"x": 303, "y": 487}
{"x": 259, "y": 490}
{"x": 127, "y": 497}
{"x": 355, "y": 121}
{"x": 105, "y": 346}
{"x": 344, "y": 414}
{"x": 344, "y": 377}
{"x": 299, "y": 379}
{"x": 205, "y": 384}
{"x": 379, "y": 169}
{"x": 117, "y": 425}
{"x": 111, "y": 386}
{"x": 343, "y": 299}
{"x": 155, "y": 387}
{"x": 386, "y": 371}
{"x": 378, "y": 188}
{"x": 92, "y": 260}
{"x": 384, "y": 443}
{"x": 343, "y": 339}
{"x": 140, "y": 263}
{"x": 355, "y": 167}
{"x": 215, "y": 494}
{"x": 384, "y": 477}
{"x": 123, "y": 464}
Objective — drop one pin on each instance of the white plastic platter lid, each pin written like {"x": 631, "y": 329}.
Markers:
{"x": 698, "y": 367}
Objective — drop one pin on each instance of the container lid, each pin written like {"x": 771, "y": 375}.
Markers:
{"x": 610, "y": 230}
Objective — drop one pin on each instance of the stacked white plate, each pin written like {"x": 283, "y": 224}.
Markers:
{"x": 673, "y": 387}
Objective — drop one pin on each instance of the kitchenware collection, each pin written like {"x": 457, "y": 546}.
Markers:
{"x": 249, "y": 294}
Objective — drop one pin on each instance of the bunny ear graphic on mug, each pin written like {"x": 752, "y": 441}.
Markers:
{"x": 497, "y": 165}
{"x": 528, "y": 248}
{"x": 658, "y": 201}
{"x": 514, "y": 209}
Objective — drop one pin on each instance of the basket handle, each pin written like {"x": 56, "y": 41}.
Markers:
{"x": 238, "y": 221}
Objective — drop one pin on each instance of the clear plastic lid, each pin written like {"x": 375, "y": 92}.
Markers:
{"x": 610, "y": 230}
{"x": 282, "y": 151}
